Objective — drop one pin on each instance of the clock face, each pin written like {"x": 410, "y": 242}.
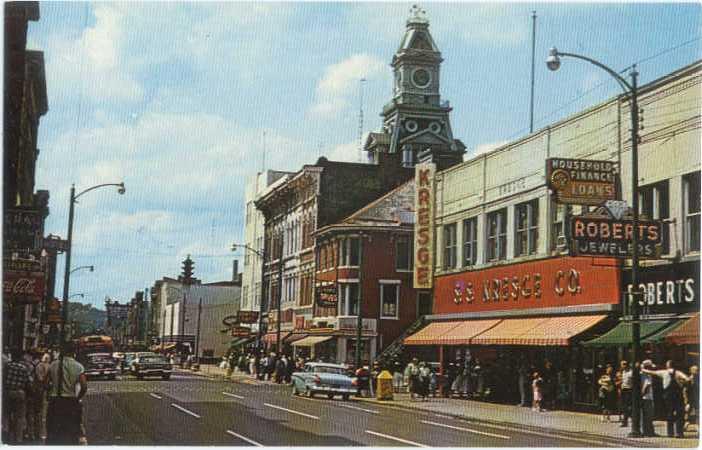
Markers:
{"x": 421, "y": 78}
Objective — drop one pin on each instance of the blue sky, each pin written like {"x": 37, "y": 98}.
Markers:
{"x": 174, "y": 99}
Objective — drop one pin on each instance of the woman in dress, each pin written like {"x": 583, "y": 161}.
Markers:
{"x": 607, "y": 393}
{"x": 537, "y": 386}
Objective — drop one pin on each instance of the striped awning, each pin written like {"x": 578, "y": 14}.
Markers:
{"x": 549, "y": 331}
{"x": 688, "y": 333}
{"x": 430, "y": 334}
{"x": 311, "y": 341}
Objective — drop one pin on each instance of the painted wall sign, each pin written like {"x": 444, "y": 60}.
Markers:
{"x": 23, "y": 287}
{"x": 247, "y": 316}
{"x": 424, "y": 226}
{"x": 240, "y": 331}
{"x": 582, "y": 182}
{"x": 551, "y": 282}
{"x": 613, "y": 237}
{"x": 22, "y": 229}
{"x": 667, "y": 289}
{"x": 327, "y": 296}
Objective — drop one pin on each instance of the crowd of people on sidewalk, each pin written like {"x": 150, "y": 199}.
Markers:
{"x": 262, "y": 366}
{"x": 37, "y": 408}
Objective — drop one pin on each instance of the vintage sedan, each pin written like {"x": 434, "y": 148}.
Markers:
{"x": 324, "y": 378}
{"x": 100, "y": 365}
{"x": 151, "y": 365}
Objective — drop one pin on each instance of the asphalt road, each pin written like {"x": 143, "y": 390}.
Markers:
{"x": 193, "y": 410}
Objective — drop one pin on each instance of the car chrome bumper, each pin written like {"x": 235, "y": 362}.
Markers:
{"x": 332, "y": 390}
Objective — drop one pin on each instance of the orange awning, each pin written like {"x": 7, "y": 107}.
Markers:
{"x": 466, "y": 331}
{"x": 431, "y": 333}
{"x": 686, "y": 334}
{"x": 537, "y": 331}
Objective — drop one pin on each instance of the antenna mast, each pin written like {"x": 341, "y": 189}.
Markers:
{"x": 360, "y": 122}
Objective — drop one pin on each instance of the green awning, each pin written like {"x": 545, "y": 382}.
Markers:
{"x": 239, "y": 341}
{"x": 622, "y": 334}
{"x": 659, "y": 336}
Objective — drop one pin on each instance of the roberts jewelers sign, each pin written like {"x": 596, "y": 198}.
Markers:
{"x": 424, "y": 226}
{"x": 581, "y": 181}
{"x": 595, "y": 236}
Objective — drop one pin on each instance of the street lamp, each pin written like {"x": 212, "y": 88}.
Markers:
{"x": 67, "y": 272}
{"x": 89, "y": 268}
{"x": 260, "y": 306}
{"x": 553, "y": 62}
{"x": 76, "y": 295}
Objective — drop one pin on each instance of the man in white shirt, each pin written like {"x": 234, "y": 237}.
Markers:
{"x": 626, "y": 378}
{"x": 647, "y": 406}
{"x": 64, "y": 415}
{"x": 673, "y": 382}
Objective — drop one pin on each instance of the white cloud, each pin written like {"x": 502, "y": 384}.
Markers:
{"x": 341, "y": 82}
{"x": 484, "y": 148}
{"x": 346, "y": 152}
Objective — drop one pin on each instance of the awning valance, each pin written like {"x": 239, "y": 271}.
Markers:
{"x": 294, "y": 337}
{"x": 622, "y": 333}
{"x": 311, "y": 341}
{"x": 431, "y": 333}
{"x": 558, "y": 330}
{"x": 688, "y": 333}
{"x": 509, "y": 331}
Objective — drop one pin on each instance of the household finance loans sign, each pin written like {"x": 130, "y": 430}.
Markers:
{"x": 424, "y": 225}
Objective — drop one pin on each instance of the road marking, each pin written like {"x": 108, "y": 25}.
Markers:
{"x": 158, "y": 397}
{"x": 372, "y": 411}
{"x": 404, "y": 441}
{"x": 466, "y": 429}
{"x": 250, "y": 441}
{"x": 292, "y": 411}
{"x": 186, "y": 411}
{"x": 229, "y": 394}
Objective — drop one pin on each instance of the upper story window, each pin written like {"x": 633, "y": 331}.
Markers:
{"x": 691, "y": 211}
{"x": 349, "y": 251}
{"x": 389, "y": 300}
{"x": 449, "y": 246}
{"x": 654, "y": 202}
{"x": 403, "y": 253}
{"x": 496, "y": 248}
{"x": 526, "y": 228}
{"x": 348, "y": 299}
{"x": 470, "y": 241}
{"x": 559, "y": 214}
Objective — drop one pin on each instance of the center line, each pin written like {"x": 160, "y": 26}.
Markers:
{"x": 372, "y": 411}
{"x": 291, "y": 411}
{"x": 155, "y": 396}
{"x": 404, "y": 441}
{"x": 250, "y": 441}
{"x": 229, "y": 394}
{"x": 466, "y": 429}
{"x": 186, "y": 411}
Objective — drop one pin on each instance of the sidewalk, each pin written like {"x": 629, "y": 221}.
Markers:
{"x": 586, "y": 425}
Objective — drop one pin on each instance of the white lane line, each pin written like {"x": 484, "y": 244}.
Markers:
{"x": 372, "y": 411}
{"x": 186, "y": 411}
{"x": 244, "y": 438}
{"x": 292, "y": 411}
{"x": 437, "y": 424}
{"x": 404, "y": 441}
{"x": 155, "y": 396}
{"x": 229, "y": 394}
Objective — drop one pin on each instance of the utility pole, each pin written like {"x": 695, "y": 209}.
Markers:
{"x": 533, "y": 55}
{"x": 279, "y": 345}
{"x": 197, "y": 340}
{"x": 359, "y": 316}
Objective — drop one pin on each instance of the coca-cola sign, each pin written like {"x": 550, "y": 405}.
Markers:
{"x": 23, "y": 287}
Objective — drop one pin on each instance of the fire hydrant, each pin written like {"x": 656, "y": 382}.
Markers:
{"x": 384, "y": 388}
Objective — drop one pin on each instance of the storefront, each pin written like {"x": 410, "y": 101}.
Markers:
{"x": 514, "y": 318}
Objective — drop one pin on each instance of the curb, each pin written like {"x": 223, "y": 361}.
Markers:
{"x": 627, "y": 442}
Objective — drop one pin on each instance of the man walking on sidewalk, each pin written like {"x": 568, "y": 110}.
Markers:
{"x": 626, "y": 375}
{"x": 16, "y": 380}
{"x": 673, "y": 380}
{"x": 65, "y": 412}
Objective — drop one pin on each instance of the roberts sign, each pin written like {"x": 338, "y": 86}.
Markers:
{"x": 424, "y": 226}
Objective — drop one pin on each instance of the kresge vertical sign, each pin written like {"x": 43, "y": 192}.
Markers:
{"x": 424, "y": 225}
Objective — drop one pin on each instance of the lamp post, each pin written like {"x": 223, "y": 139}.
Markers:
{"x": 67, "y": 272}
{"x": 89, "y": 268}
{"x": 553, "y": 62}
{"x": 262, "y": 257}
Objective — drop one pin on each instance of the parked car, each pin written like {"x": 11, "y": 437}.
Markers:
{"x": 100, "y": 365}
{"x": 324, "y": 378}
{"x": 151, "y": 365}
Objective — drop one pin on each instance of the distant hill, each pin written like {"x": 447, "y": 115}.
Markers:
{"x": 88, "y": 318}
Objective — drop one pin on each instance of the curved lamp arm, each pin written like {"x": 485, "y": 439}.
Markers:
{"x": 259, "y": 254}
{"x": 626, "y": 87}
{"x": 121, "y": 189}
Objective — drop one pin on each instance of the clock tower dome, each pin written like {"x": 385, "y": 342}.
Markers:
{"x": 416, "y": 125}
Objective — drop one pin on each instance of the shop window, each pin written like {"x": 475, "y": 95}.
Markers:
{"x": 496, "y": 248}
{"x": 470, "y": 241}
{"x": 526, "y": 228}
{"x": 403, "y": 253}
{"x": 348, "y": 299}
{"x": 449, "y": 246}
{"x": 654, "y": 203}
{"x": 349, "y": 251}
{"x": 390, "y": 298}
{"x": 691, "y": 211}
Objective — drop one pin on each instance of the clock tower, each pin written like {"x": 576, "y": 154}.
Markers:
{"x": 416, "y": 125}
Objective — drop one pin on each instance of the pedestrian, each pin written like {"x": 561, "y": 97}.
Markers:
{"x": 16, "y": 380}
{"x": 396, "y": 376}
{"x": 537, "y": 385}
{"x": 647, "y": 405}
{"x": 280, "y": 369}
{"x": 270, "y": 369}
{"x": 64, "y": 413}
{"x": 607, "y": 393}
{"x": 289, "y": 369}
{"x": 626, "y": 375}
{"x": 673, "y": 382}
{"x": 252, "y": 365}
{"x": 412, "y": 373}
{"x": 692, "y": 396}
{"x": 230, "y": 364}
{"x": 550, "y": 387}
{"x": 523, "y": 380}
{"x": 424, "y": 379}
{"x": 36, "y": 394}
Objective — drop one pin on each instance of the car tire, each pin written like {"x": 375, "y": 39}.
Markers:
{"x": 345, "y": 397}
{"x": 294, "y": 390}
{"x": 330, "y": 396}
{"x": 309, "y": 393}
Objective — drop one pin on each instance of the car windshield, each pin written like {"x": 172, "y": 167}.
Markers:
{"x": 327, "y": 369}
{"x": 152, "y": 359}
